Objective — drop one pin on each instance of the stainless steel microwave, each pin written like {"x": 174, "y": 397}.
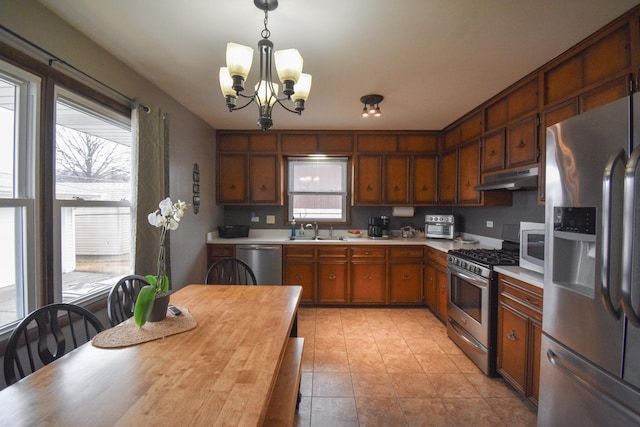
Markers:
{"x": 532, "y": 246}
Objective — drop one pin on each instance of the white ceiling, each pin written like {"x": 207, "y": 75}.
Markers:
{"x": 433, "y": 60}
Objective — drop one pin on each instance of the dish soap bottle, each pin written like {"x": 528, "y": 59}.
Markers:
{"x": 301, "y": 229}
{"x": 293, "y": 227}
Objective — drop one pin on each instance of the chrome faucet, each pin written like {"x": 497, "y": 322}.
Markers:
{"x": 313, "y": 227}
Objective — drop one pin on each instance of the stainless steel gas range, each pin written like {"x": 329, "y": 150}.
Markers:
{"x": 473, "y": 302}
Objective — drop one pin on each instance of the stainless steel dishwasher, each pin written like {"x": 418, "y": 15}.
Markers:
{"x": 264, "y": 260}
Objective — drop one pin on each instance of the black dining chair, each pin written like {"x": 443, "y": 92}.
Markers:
{"x": 230, "y": 271}
{"x": 122, "y": 298}
{"x": 45, "y": 335}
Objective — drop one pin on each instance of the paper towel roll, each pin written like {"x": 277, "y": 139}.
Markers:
{"x": 402, "y": 211}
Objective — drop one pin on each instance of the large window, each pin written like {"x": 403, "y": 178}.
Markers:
{"x": 317, "y": 188}
{"x": 93, "y": 188}
{"x": 19, "y": 95}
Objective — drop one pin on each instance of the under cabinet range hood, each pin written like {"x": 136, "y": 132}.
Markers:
{"x": 526, "y": 179}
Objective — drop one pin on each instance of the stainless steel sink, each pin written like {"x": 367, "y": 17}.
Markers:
{"x": 313, "y": 239}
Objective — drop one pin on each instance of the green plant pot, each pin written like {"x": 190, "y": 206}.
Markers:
{"x": 159, "y": 311}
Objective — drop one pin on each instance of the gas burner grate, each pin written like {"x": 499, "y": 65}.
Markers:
{"x": 488, "y": 256}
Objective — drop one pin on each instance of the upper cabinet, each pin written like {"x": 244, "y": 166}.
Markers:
{"x": 248, "y": 169}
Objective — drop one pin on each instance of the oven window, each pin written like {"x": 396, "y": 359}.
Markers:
{"x": 466, "y": 297}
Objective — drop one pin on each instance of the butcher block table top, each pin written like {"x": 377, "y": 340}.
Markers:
{"x": 220, "y": 373}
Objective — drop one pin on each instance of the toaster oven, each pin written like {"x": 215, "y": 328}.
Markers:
{"x": 439, "y": 227}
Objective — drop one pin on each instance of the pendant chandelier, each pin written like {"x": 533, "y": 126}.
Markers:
{"x": 371, "y": 105}
{"x": 288, "y": 62}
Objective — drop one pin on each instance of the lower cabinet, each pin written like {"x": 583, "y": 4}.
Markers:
{"x": 300, "y": 269}
{"x": 368, "y": 275}
{"x": 405, "y": 275}
{"x": 436, "y": 282}
{"x": 519, "y": 335}
{"x": 333, "y": 276}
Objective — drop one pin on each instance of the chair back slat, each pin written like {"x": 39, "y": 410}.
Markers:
{"x": 122, "y": 298}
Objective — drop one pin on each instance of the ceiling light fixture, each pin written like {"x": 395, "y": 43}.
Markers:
{"x": 371, "y": 105}
{"x": 288, "y": 66}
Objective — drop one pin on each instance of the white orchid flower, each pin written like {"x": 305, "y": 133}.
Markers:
{"x": 166, "y": 207}
{"x": 172, "y": 224}
{"x": 155, "y": 219}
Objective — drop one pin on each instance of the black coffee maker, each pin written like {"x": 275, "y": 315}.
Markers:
{"x": 378, "y": 227}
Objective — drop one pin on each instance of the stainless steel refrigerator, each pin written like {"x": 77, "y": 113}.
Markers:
{"x": 590, "y": 359}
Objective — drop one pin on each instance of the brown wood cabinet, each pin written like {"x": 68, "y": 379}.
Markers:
{"x": 447, "y": 178}
{"x": 425, "y": 184}
{"x": 406, "y": 275}
{"x": 299, "y": 268}
{"x": 368, "y": 179}
{"x": 333, "y": 278}
{"x": 469, "y": 173}
{"x": 436, "y": 282}
{"x": 522, "y": 143}
{"x": 248, "y": 169}
{"x": 396, "y": 179}
{"x": 493, "y": 147}
{"x": 368, "y": 275}
{"x": 217, "y": 252}
{"x": 519, "y": 335}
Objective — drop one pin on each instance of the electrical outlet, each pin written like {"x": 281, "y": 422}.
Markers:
{"x": 271, "y": 219}
{"x": 255, "y": 219}
{"x": 489, "y": 224}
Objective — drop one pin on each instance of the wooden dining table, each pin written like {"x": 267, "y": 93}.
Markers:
{"x": 223, "y": 372}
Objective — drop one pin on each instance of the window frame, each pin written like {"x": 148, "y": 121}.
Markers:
{"x": 90, "y": 107}
{"x": 345, "y": 194}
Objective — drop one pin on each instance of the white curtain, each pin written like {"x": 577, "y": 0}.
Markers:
{"x": 152, "y": 160}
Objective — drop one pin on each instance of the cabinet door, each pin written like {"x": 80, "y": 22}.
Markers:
{"x": 522, "y": 147}
{"x": 443, "y": 295}
{"x": 332, "y": 282}
{"x": 512, "y": 347}
{"x": 535, "y": 332}
{"x": 469, "y": 167}
{"x": 396, "y": 179}
{"x": 368, "y": 180}
{"x": 493, "y": 152}
{"x": 301, "y": 273}
{"x": 425, "y": 180}
{"x": 264, "y": 179}
{"x": 405, "y": 283}
{"x": 368, "y": 282}
{"x": 232, "y": 181}
{"x": 430, "y": 285}
{"x": 447, "y": 174}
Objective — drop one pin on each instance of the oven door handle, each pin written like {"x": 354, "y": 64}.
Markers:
{"x": 469, "y": 339}
{"x": 479, "y": 281}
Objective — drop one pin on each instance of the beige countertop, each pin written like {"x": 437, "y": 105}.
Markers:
{"x": 523, "y": 274}
{"x": 279, "y": 237}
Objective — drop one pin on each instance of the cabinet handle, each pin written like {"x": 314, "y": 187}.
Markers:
{"x": 367, "y": 276}
{"x": 405, "y": 276}
{"x": 263, "y": 188}
{"x": 332, "y": 276}
{"x": 299, "y": 276}
{"x": 369, "y": 188}
{"x": 530, "y": 301}
{"x": 468, "y": 184}
{"x": 425, "y": 188}
{"x": 492, "y": 153}
{"x": 512, "y": 336}
{"x": 396, "y": 188}
{"x": 367, "y": 253}
{"x": 522, "y": 144}
{"x": 232, "y": 186}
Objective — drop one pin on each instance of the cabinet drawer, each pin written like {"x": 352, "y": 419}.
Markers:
{"x": 333, "y": 252}
{"x": 514, "y": 291}
{"x": 407, "y": 252}
{"x": 221, "y": 251}
{"x": 368, "y": 252}
{"x": 435, "y": 256}
{"x": 291, "y": 251}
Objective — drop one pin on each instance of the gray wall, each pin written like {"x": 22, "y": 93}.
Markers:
{"x": 191, "y": 139}
{"x": 472, "y": 219}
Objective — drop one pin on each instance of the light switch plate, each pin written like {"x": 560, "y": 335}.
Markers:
{"x": 271, "y": 219}
{"x": 255, "y": 219}
{"x": 489, "y": 224}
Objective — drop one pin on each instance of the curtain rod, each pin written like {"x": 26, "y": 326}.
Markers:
{"x": 54, "y": 58}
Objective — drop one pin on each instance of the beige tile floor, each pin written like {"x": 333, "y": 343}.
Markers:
{"x": 395, "y": 367}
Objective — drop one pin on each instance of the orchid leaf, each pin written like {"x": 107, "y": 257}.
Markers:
{"x": 144, "y": 305}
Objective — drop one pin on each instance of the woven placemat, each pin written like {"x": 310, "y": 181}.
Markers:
{"x": 127, "y": 333}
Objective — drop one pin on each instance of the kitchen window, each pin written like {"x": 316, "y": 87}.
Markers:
{"x": 317, "y": 189}
{"x": 93, "y": 193}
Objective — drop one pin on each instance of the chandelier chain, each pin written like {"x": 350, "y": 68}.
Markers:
{"x": 266, "y": 33}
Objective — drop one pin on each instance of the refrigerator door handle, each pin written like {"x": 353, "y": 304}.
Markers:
{"x": 607, "y": 200}
{"x": 629, "y": 223}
